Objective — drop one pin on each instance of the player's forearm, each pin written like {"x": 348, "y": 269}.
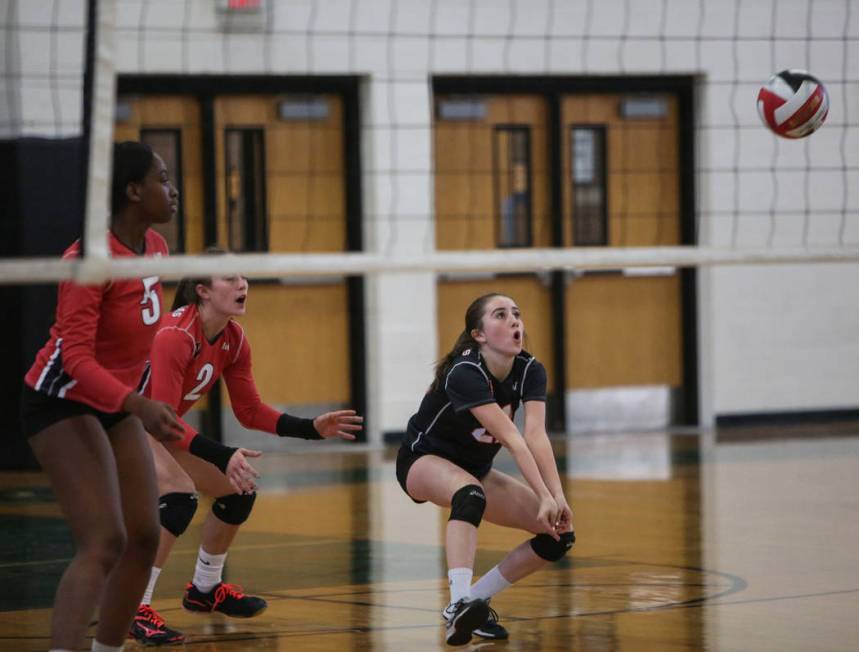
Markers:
{"x": 290, "y": 426}
{"x": 211, "y": 451}
{"x": 101, "y": 388}
{"x": 257, "y": 416}
{"x": 528, "y": 466}
{"x": 541, "y": 449}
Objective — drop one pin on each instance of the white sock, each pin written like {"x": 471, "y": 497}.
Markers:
{"x": 101, "y": 647}
{"x": 150, "y": 588}
{"x": 459, "y": 580}
{"x": 207, "y": 573}
{"x": 489, "y": 584}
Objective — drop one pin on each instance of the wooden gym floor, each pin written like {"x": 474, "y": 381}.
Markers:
{"x": 685, "y": 542}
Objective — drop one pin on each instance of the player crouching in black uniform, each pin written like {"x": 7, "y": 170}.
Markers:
{"x": 446, "y": 458}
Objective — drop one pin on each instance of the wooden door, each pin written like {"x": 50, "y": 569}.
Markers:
{"x": 621, "y": 329}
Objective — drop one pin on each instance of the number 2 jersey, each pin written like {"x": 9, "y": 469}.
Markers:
{"x": 444, "y": 424}
{"x": 184, "y": 366}
{"x": 100, "y": 341}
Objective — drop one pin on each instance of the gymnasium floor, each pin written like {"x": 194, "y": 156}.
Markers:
{"x": 685, "y": 542}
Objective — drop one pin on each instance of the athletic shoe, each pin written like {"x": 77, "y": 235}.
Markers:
{"x": 149, "y": 628}
{"x": 463, "y": 617}
{"x": 226, "y": 598}
{"x": 492, "y": 629}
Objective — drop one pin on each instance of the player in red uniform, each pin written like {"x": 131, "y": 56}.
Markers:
{"x": 196, "y": 344}
{"x": 85, "y": 421}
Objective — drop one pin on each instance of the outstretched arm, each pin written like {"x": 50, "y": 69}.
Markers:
{"x": 499, "y": 425}
{"x": 538, "y": 443}
{"x": 253, "y": 413}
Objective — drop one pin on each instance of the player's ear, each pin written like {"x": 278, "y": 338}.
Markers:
{"x": 478, "y": 336}
{"x": 132, "y": 192}
{"x": 202, "y": 291}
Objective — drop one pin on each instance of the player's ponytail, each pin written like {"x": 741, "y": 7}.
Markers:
{"x": 473, "y": 320}
{"x": 186, "y": 291}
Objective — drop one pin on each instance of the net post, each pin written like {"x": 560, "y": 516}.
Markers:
{"x": 101, "y": 55}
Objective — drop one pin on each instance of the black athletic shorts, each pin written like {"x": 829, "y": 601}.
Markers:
{"x": 406, "y": 457}
{"x": 38, "y": 411}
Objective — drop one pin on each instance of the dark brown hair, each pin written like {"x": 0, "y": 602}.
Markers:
{"x": 473, "y": 320}
{"x": 186, "y": 291}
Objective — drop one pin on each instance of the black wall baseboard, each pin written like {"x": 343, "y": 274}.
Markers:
{"x": 786, "y": 418}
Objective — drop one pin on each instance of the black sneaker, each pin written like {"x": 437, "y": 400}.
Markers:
{"x": 492, "y": 629}
{"x": 149, "y": 628}
{"x": 226, "y": 598}
{"x": 463, "y": 617}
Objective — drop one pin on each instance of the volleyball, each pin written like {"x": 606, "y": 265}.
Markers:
{"x": 793, "y": 104}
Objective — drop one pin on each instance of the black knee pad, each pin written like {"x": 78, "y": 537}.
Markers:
{"x": 549, "y": 549}
{"x": 468, "y": 504}
{"x": 175, "y": 511}
{"x": 235, "y": 508}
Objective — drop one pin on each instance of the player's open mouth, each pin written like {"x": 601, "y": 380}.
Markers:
{"x": 517, "y": 336}
{"x": 241, "y": 300}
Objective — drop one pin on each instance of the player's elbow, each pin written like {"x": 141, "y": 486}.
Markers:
{"x": 246, "y": 417}
{"x": 74, "y": 357}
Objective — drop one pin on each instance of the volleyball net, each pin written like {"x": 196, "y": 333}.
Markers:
{"x": 476, "y": 151}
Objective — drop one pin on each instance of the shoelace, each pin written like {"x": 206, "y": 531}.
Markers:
{"x": 225, "y": 591}
{"x": 451, "y": 609}
{"x": 151, "y": 616}
{"x": 493, "y": 616}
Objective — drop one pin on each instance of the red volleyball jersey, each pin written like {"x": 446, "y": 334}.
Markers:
{"x": 185, "y": 365}
{"x": 100, "y": 341}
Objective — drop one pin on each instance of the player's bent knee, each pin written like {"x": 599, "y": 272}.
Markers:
{"x": 176, "y": 510}
{"x": 468, "y": 504}
{"x": 235, "y": 508}
{"x": 547, "y": 548}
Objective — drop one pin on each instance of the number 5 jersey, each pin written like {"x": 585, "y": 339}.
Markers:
{"x": 100, "y": 341}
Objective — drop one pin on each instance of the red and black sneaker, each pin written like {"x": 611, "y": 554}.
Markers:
{"x": 149, "y": 628}
{"x": 226, "y": 598}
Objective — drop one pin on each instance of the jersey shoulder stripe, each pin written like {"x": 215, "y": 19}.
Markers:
{"x": 467, "y": 362}
{"x": 525, "y": 375}
{"x": 180, "y": 329}
{"x": 73, "y": 251}
{"x": 182, "y": 320}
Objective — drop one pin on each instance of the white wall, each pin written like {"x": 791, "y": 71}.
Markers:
{"x": 771, "y": 338}
{"x": 784, "y": 338}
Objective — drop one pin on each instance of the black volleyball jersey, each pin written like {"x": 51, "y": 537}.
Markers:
{"x": 444, "y": 424}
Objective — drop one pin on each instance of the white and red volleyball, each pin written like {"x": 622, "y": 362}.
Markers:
{"x": 793, "y": 103}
